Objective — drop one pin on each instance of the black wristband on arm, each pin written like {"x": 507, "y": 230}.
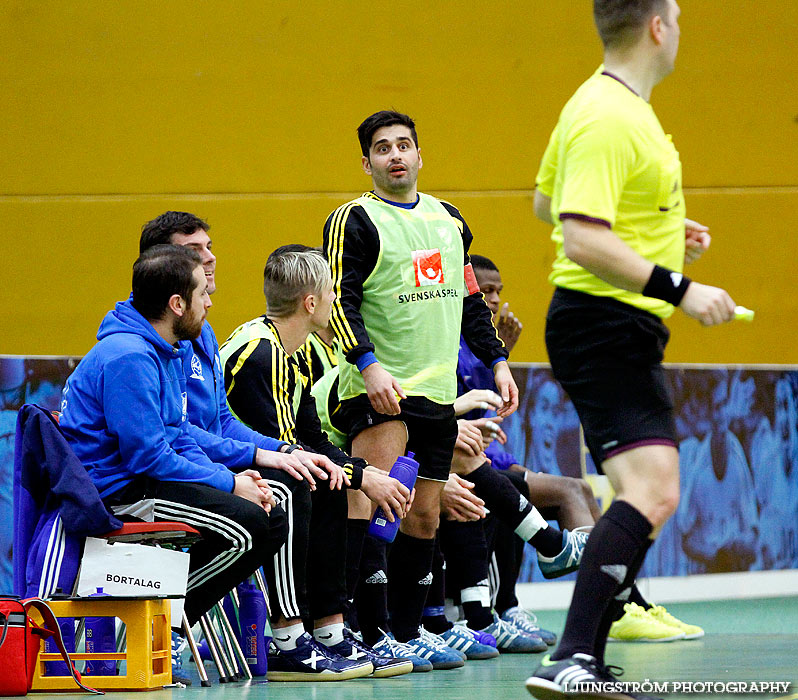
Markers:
{"x": 292, "y": 448}
{"x": 666, "y": 285}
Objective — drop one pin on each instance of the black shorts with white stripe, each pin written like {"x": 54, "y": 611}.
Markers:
{"x": 237, "y": 536}
{"x": 307, "y": 578}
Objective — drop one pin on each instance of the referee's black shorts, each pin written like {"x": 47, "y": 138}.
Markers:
{"x": 431, "y": 430}
{"x": 607, "y": 356}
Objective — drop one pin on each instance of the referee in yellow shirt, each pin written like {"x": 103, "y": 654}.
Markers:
{"x": 610, "y": 183}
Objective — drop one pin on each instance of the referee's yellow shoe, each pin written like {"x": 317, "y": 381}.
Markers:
{"x": 690, "y": 631}
{"x": 638, "y": 625}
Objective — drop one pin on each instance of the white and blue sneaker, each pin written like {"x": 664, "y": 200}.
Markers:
{"x": 462, "y": 639}
{"x": 511, "y": 640}
{"x": 569, "y": 558}
{"x": 311, "y": 661}
{"x": 433, "y": 649}
{"x": 385, "y": 665}
{"x": 386, "y": 646}
{"x": 178, "y": 646}
{"x": 526, "y": 621}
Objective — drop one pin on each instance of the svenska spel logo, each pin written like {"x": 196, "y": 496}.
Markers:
{"x": 428, "y": 267}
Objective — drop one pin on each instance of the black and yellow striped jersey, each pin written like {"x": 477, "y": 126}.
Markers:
{"x": 319, "y": 356}
{"x": 269, "y": 390}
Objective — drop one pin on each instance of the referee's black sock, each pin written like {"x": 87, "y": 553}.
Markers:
{"x": 410, "y": 573}
{"x": 610, "y": 562}
{"x": 371, "y": 597}
{"x": 508, "y": 504}
{"x": 355, "y": 533}
{"x": 615, "y": 610}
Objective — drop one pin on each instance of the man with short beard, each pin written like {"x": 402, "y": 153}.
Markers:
{"x": 405, "y": 288}
{"x": 124, "y": 414}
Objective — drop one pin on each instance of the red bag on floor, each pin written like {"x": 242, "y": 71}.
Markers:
{"x": 20, "y": 642}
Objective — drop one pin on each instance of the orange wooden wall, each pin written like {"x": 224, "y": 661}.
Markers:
{"x": 245, "y": 114}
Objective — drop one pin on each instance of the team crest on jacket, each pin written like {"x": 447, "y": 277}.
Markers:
{"x": 196, "y": 368}
{"x": 428, "y": 267}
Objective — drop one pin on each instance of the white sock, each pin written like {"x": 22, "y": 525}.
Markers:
{"x": 530, "y": 525}
{"x": 286, "y": 637}
{"x": 329, "y": 635}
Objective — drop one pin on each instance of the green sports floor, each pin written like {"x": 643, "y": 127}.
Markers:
{"x": 746, "y": 640}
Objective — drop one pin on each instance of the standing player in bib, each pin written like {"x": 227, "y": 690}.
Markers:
{"x": 397, "y": 258}
{"x": 610, "y": 183}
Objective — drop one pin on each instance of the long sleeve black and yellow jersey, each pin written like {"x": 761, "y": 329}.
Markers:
{"x": 352, "y": 247}
{"x": 269, "y": 390}
{"x": 319, "y": 356}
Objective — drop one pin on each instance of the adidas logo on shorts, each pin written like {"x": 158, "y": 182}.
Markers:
{"x": 426, "y": 581}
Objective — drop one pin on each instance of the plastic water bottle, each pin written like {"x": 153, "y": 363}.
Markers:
{"x": 252, "y": 618}
{"x": 405, "y": 470}
{"x": 100, "y": 639}
{"x": 60, "y": 668}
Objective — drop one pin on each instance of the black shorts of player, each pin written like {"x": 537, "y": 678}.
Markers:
{"x": 431, "y": 430}
{"x": 607, "y": 356}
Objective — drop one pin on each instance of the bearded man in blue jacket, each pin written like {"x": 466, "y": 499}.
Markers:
{"x": 124, "y": 414}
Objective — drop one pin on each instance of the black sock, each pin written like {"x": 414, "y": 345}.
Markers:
{"x": 355, "y": 532}
{"x": 466, "y": 551}
{"x": 434, "y": 618}
{"x": 613, "y": 612}
{"x": 609, "y": 559}
{"x": 637, "y": 597}
{"x": 508, "y": 504}
{"x": 615, "y": 609}
{"x": 371, "y": 598}
{"x": 508, "y": 551}
{"x": 410, "y": 575}
{"x": 548, "y": 541}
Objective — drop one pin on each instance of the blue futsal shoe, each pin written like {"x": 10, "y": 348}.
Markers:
{"x": 430, "y": 647}
{"x": 388, "y": 647}
{"x": 385, "y": 666}
{"x": 311, "y": 661}
{"x": 462, "y": 639}
{"x": 568, "y": 559}
{"x": 527, "y": 622}
{"x": 178, "y": 674}
{"x": 511, "y": 640}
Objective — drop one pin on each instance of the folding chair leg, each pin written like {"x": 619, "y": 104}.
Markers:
{"x": 225, "y": 672}
{"x": 232, "y": 643}
{"x": 225, "y": 643}
{"x": 225, "y": 647}
{"x": 192, "y": 645}
{"x": 264, "y": 589}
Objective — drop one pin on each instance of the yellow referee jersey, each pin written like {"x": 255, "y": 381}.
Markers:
{"x": 609, "y": 161}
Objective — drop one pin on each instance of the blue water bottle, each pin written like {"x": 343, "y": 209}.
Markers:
{"x": 100, "y": 639}
{"x": 60, "y": 668}
{"x": 229, "y": 610}
{"x": 405, "y": 470}
{"x": 252, "y": 618}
